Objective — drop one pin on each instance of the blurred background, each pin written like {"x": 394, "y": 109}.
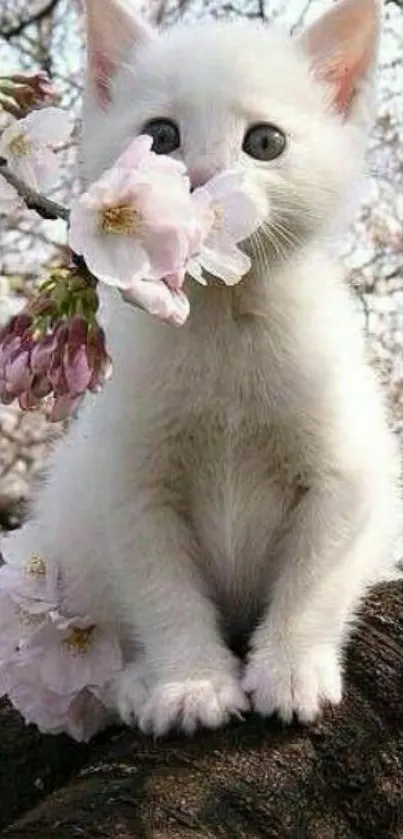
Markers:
{"x": 48, "y": 35}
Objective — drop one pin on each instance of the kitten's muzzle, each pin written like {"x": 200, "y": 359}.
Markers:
{"x": 200, "y": 175}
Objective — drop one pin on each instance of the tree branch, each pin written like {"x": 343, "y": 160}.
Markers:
{"x": 14, "y": 31}
{"x": 45, "y": 207}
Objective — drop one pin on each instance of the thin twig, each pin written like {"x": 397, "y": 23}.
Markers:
{"x": 13, "y": 31}
{"x": 45, "y": 207}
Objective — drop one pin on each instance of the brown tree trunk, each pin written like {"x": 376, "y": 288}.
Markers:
{"x": 340, "y": 779}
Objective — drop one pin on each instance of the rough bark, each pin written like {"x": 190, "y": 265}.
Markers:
{"x": 340, "y": 779}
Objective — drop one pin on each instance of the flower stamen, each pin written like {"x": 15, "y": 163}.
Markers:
{"x": 36, "y": 567}
{"x": 19, "y": 145}
{"x": 122, "y": 218}
{"x": 218, "y": 212}
{"x": 79, "y": 640}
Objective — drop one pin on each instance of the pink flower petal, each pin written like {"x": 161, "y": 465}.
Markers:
{"x": 77, "y": 370}
{"x": 194, "y": 270}
{"x": 18, "y": 373}
{"x": 135, "y": 152}
{"x": 167, "y": 251}
{"x": 226, "y": 262}
{"x": 24, "y": 168}
{"x": 115, "y": 262}
{"x": 223, "y": 184}
{"x": 41, "y": 354}
{"x": 157, "y": 298}
{"x": 240, "y": 216}
{"x": 34, "y": 700}
{"x": 47, "y": 126}
{"x": 28, "y": 401}
{"x": 46, "y": 167}
{"x": 228, "y": 192}
{"x": 85, "y": 716}
{"x": 64, "y": 407}
{"x": 66, "y": 666}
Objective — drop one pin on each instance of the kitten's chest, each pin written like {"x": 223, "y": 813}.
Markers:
{"x": 239, "y": 482}
{"x": 235, "y": 449}
{"x": 232, "y": 466}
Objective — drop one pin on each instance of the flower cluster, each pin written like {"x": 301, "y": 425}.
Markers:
{"x": 55, "y": 348}
{"x": 53, "y": 663}
{"x": 135, "y": 226}
{"x": 139, "y": 228}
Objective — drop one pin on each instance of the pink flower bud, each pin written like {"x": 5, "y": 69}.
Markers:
{"x": 28, "y": 401}
{"x": 76, "y": 367}
{"x": 64, "y": 406}
{"x": 41, "y": 354}
{"x": 100, "y": 361}
{"x": 18, "y": 373}
{"x": 40, "y": 387}
{"x": 61, "y": 364}
{"x": 20, "y": 93}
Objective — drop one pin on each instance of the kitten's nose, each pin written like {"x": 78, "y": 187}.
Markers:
{"x": 199, "y": 175}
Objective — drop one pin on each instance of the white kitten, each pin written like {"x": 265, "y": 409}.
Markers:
{"x": 236, "y": 474}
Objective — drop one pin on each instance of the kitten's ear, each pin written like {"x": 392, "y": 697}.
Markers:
{"x": 343, "y": 47}
{"x": 112, "y": 30}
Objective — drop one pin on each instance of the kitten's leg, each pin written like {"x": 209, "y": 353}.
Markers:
{"x": 336, "y": 541}
{"x": 129, "y": 558}
{"x": 188, "y": 677}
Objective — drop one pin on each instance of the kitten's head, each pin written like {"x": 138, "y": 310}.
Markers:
{"x": 291, "y": 112}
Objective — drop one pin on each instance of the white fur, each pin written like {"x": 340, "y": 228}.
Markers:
{"x": 240, "y": 469}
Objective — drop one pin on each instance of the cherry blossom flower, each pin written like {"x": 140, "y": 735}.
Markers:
{"x": 53, "y": 667}
{"x": 28, "y": 146}
{"x": 28, "y": 593}
{"x": 136, "y": 226}
{"x": 230, "y": 215}
{"x": 54, "y": 674}
{"x": 72, "y": 654}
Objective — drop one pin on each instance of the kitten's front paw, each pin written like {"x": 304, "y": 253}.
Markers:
{"x": 191, "y": 703}
{"x": 127, "y": 694}
{"x": 299, "y": 684}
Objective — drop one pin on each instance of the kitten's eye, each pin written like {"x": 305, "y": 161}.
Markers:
{"x": 165, "y": 134}
{"x": 264, "y": 142}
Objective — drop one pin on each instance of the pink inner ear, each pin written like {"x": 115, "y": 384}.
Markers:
{"x": 113, "y": 30}
{"x": 342, "y": 45}
{"x": 103, "y": 70}
{"x": 343, "y": 74}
